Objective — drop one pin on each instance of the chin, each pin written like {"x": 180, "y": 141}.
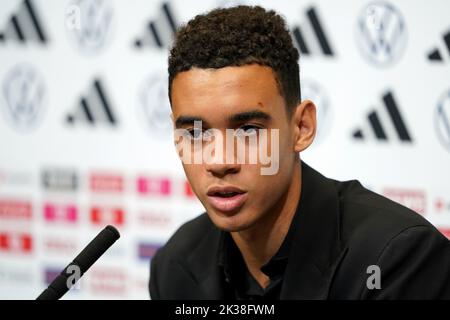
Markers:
{"x": 229, "y": 223}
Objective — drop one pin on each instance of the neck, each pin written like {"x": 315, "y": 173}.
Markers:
{"x": 259, "y": 243}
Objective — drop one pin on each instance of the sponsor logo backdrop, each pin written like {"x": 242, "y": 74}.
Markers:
{"x": 85, "y": 134}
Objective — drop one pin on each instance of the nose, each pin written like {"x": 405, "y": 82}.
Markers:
{"x": 222, "y": 169}
{"x": 220, "y": 165}
{"x": 220, "y": 161}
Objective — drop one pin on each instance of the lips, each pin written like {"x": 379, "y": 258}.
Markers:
{"x": 226, "y": 198}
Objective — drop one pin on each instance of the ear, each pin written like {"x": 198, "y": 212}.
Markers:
{"x": 305, "y": 125}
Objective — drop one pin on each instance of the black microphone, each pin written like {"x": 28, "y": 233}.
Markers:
{"x": 81, "y": 263}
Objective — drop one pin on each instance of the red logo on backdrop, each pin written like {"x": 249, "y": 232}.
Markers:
{"x": 158, "y": 186}
{"x": 60, "y": 245}
{"x": 445, "y": 232}
{"x": 16, "y": 242}
{"x": 155, "y": 219}
{"x": 440, "y": 205}
{"x": 188, "y": 190}
{"x": 106, "y": 183}
{"x": 107, "y": 215}
{"x": 60, "y": 212}
{"x": 413, "y": 199}
{"x": 16, "y": 210}
{"x": 110, "y": 281}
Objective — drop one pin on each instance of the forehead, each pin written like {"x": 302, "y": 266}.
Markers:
{"x": 225, "y": 90}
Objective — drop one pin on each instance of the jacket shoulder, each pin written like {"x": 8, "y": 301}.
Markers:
{"x": 188, "y": 236}
{"x": 168, "y": 274}
{"x": 366, "y": 214}
{"x": 375, "y": 231}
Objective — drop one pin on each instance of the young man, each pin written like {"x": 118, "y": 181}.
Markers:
{"x": 290, "y": 233}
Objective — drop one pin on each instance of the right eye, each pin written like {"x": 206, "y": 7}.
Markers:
{"x": 195, "y": 134}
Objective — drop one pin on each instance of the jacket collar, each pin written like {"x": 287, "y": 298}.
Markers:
{"x": 316, "y": 247}
{"x": 202, "y": 266}
{"x": 315, "y": 250}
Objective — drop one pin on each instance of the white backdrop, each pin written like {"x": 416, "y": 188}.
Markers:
{"x": 85, "y": 135}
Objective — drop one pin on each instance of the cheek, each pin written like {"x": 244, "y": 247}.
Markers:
{"x": 194, "y": 175}
{"x": 265, "y": 187}
{"x": 286, "y": 140}
{"x": 280, "y": 136}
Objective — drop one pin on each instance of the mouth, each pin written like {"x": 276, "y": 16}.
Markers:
{"x": 226, "y": 198}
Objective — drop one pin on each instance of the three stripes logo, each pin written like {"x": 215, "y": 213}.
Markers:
{"x": 24, "y": 25}
{"x": 159, "y": 32}
{"x": 311, "y": 38}
{"x": 385, "y": 123}
{"x": 94, "y": 108}
{"x": 435, "y": 55}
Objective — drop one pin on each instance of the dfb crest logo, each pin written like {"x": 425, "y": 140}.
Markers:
{"x": 153, "y": 104}
{"x": 317, "y": 94}
{"x": 91, "y": 25}
{"x": 24, "y": 92}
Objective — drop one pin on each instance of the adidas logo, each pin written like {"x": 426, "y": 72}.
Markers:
{"x": 311, "y": 38}
{"x": 160, "y": 32}
{"x": 435, "y": 54}
{"x": 385, "y": 123}
{"x": 93, "y": 108}
{"x": 24, "y": 25}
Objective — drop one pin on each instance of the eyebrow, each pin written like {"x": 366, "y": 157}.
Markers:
{"x": 187, "y": 120}
{"x": 249, "y": 115}
{"x": 238, "y": 117}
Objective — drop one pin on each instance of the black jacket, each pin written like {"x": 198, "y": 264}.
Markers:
{"x": 342, "y": 229}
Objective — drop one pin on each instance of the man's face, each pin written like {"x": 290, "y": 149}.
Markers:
{"x": 235, "y": 195}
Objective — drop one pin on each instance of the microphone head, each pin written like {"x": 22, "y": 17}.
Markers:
{"x": 114, "y": 231}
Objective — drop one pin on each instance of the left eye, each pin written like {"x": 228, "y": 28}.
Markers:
{"x": 250, "y": 129}
{"x": 247, "y": 130}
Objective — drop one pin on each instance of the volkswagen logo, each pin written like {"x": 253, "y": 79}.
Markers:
{"x": 381, "y": 33}
{"x": 24, "y": 92}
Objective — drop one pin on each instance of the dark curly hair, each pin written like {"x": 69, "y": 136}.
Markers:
{"x": 238, "y": 36}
